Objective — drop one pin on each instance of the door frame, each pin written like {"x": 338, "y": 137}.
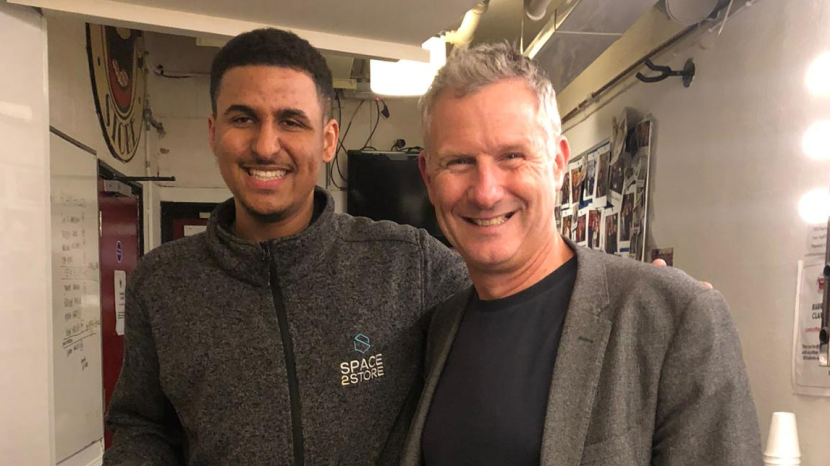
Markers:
{"x": 106, "y": 172}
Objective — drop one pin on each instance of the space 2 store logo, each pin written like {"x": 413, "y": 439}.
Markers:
{"x": 363, "y": 368}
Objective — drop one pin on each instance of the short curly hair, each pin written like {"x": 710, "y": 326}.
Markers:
{"x": 273, "y": 47}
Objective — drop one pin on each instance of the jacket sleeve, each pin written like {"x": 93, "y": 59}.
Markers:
{"x": 444, "y": 272}
{"x": 146, "y": 429}
{"x": 705, "y": 412}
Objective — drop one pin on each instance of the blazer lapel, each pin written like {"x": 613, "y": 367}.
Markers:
{"x": 578, "y": 363}
{"x": 443, "y": 329}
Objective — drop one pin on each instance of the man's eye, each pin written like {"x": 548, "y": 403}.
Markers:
{"x": 292, "y": 124}
{"x": 241, "y": 120}
{"x": 459, "y": 162}
{"x": 514, "y": 155}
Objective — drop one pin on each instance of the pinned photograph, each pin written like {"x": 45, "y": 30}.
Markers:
{"x": 581, "y": 230}
{"x": 567, "y": 223}
{"x": 626, "y": 220}
{"x": 603, "y": 157}
{"x": 593, "y": 229}
{"x": 619, "y": 132}
{"x": 667, "y": 254}
{"x": 565, "y": 194}
{"x": 640, "y": 138}
{"x": 617, "y": 180}
{"x": 576, "y": 181}
{"x": 590, "y": 183}
{"x": 610, "y": 232}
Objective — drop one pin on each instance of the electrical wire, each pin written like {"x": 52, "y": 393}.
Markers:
{"x": 341, "y": 146}
{"x": 330, "y": 166}
{"x": 377, "y": 106}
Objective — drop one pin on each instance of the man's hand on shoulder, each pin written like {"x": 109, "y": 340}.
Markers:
{"x": 662, "y": 263}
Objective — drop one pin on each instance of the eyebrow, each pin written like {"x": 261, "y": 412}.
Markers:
{"x": 239, "y": 108}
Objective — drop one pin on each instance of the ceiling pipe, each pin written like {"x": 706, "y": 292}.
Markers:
{"x": 554, "y": 23}
{"x": 536, "y": 9}
{"x": 462, "y": 36}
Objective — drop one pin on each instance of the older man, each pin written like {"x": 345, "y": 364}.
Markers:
{"x": 557, "y": 355}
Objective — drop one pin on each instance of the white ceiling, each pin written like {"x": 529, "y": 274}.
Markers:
{"x": 405, "y": 21}
{"x": 387, "y": 29}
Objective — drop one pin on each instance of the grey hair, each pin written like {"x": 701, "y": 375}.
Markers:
{"x": 469, "y": 70}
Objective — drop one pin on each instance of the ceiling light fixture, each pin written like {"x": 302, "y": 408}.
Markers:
{"x": 405, "y": 77}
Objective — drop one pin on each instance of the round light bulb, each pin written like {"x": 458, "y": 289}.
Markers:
{"x": 814, "y": 206}
{"x": 818, "y": 76}
{"x": 816, "y": 141}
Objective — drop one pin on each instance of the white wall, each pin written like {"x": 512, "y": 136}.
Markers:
{"x": 26, "y": 436}
{"x": 726, "y": 180}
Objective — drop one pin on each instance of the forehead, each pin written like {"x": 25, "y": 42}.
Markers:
{"x": 506, "y": 112}
{"x": 267, "y": 86}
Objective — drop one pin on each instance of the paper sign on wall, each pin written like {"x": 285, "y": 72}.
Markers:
{"x": 190, "y": 230}
{"x": 120, "y": 300}
{"x": 808, "y": 377}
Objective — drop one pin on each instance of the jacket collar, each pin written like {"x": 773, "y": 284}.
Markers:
{"x": 578, "y": 363}
{"x": 298, "y": 253}
{"x": 576, "y": 371}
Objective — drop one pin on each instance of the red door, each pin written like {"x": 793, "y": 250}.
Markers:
{"x": 119, "y": 254}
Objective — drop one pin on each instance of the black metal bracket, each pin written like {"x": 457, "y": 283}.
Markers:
{"x": 688, "y": 73}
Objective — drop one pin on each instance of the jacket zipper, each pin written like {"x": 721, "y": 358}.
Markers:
{"x": 290, "y": 365}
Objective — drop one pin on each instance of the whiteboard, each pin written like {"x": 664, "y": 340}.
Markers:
{"x": 76, "y": 300}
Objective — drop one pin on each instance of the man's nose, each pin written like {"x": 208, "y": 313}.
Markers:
{"x": 486, "y": 189}
{"x": 266, "y": 143}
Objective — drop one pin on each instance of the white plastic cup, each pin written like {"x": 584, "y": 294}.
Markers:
{"x": 774, "y": 461}
{"x": 782, "y": 443}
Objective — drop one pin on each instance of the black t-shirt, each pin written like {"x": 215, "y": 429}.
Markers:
{"x": 490, "y": 404}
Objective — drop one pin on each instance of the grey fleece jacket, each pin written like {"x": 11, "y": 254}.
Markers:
{"x": 302, "y": 350}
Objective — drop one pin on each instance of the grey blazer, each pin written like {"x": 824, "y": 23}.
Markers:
{"x": 649, "y": 372}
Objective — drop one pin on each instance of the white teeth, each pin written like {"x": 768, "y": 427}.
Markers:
{"x": 266, "y": 175}
{"x": 489, "y": 222}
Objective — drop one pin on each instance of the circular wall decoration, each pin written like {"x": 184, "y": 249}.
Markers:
{"x": 117, "y": 69}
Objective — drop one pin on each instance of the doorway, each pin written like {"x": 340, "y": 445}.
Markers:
{"x": 121, "y": 225}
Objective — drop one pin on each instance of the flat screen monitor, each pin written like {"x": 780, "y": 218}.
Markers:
{"x": 388, "y": 186}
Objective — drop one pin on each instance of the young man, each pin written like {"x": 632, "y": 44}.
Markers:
{"x": 285, "y": 334}
{"x": 557, "y": 355}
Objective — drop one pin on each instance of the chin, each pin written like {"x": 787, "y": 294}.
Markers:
{"x": 265, "y": 214}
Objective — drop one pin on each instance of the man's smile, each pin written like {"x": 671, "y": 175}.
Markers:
{"x": 489, "y": 221}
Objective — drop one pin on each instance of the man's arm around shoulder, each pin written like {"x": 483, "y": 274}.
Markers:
{"x": 705, "y": 412}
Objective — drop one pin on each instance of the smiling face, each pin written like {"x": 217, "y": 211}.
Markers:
{"x": 492, "y": 172}
{"x": 270, "y": 138}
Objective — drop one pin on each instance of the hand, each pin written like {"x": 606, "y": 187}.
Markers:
{"x": 662, "y": 263}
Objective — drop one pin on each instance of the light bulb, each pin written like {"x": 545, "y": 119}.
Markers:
{"x": 814, "y": 206}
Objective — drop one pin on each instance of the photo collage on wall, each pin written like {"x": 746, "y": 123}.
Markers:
{"x": 604, "y": 197}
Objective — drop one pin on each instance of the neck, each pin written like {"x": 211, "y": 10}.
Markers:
{"x": 255, "y": 230}
{"x": 503, "y": 283}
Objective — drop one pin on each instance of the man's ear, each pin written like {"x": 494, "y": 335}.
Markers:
{"x": 212, "y": 133}
{"x": 331, "y": 138}
{"x": 422, "y": 166}
{"x": 563, "y": 156}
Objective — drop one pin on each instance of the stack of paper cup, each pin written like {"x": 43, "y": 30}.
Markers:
{"x": 782, "y": 443}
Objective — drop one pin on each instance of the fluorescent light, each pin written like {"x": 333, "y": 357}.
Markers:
{"x": 406, "y": 77}
{"x": 814, "y": 206}
{"x": 816, "y": 141}
{"x": 818, "y": 76}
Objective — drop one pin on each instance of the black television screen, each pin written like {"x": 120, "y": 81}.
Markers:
{"x": 388, "y": 186}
